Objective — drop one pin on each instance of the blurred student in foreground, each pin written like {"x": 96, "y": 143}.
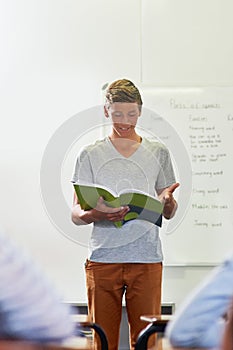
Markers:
{"x": 227, "y": 343}
{"x": 201, "y": 320}
{"x": 30, "y": 308}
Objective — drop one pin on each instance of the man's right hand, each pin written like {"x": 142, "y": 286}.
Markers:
{"x": 104, "y": 212}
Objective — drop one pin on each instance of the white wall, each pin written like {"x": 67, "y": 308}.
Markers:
{"x": 55, "y": 57}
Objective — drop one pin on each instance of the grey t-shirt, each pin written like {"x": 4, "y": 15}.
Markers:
{"x": 148, "y": 169}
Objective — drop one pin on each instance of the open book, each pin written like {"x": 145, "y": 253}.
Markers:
{"x": 142, "y": 205}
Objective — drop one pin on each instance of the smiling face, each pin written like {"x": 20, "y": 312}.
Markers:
{"x": 124, "y": 117}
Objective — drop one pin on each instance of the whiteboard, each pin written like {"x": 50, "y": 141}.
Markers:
{"x": 197, "y": 126}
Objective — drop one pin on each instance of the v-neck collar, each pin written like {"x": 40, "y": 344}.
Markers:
{"x": 119, "y": 153}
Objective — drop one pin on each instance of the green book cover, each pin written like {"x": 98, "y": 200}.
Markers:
{"x": 142, "y": 205}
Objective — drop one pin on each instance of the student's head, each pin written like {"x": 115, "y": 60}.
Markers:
{"x": 123, "y": 105}
{"x": 227, "y": 340}
{"x": 123, "y": 90}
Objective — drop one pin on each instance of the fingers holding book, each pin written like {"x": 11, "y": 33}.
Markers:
{"x": 104, "y": 212}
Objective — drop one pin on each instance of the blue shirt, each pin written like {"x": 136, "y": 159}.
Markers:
{"x": 30, "y": 308}
{"x": 199, "y": 321}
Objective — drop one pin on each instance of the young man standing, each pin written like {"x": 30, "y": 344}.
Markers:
{"x": 127, "y": 260}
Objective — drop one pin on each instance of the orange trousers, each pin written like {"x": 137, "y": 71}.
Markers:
{"x": 106, "y": 285}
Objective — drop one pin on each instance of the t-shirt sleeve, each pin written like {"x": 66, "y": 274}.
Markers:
{"x": 83, "y": 170}
{"x": 166, "y": 176}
